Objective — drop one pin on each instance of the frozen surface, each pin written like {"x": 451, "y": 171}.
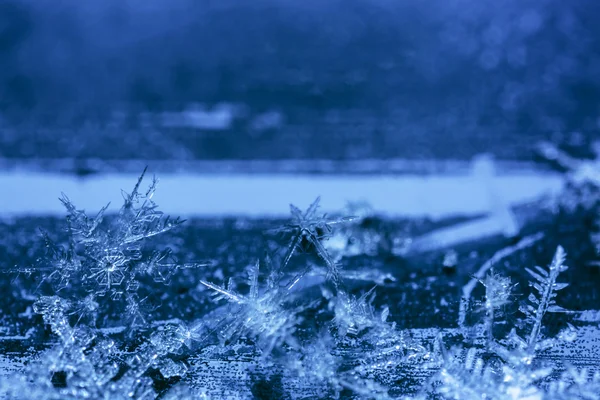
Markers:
{"x": 354, "y": 304}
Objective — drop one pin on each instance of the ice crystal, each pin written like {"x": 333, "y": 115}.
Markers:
{"x": 546, "y": 286}
{"x": 261, "y": 313}
{"x": 87, "y": 361}
{"x": 108, "y": 260}
{"x": 169, "y": 340}
{"x": 497, "y": 294}
{"x": 312, "y": 227}
{"x": 353, "y": 314}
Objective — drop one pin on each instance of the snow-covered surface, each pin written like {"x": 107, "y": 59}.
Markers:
{"x": 269, "y": 195}
{"x": 10, "y": 364}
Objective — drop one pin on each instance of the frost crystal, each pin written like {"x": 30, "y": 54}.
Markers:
{"x": 109, "y": 260}
{"x": 312, "y": 227}
{"x": 546, "y": 286}
{"x": 497, "y": 295}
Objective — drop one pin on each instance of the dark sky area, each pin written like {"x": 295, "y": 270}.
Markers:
{"x": 520, "y": 62}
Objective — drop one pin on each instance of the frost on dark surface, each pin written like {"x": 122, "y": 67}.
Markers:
{"x": 115, "y": 314}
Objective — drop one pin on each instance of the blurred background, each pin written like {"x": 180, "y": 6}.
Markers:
{"x": 186, "y": 80}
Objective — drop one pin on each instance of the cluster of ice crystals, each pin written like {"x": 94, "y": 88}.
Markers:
{"x": 96, "y": 276}
{"x": 262, "y": 314}
{"x": 333, "y": 342}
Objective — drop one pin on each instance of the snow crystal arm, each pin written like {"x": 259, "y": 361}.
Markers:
{"x": 25, "y": 270}
{"x": 296, "y": 213}
{"x": 332, "y": 268}
{"x": 547, "y": 287}
{"x": 192, "y": 265}
{"x": 253, "y": 281}
{"x": 291, "y": 248}
{"x": 131, "y": 198}
{"x": 157, "y": 228}
{"x": 224, "y": 293}
{"x": 312, "y": 209}
{"x": 139, "y": 217}
{"x": 298, "y": 277}
{"x": 162, "y": 265}
{"x": 79, "y": 222}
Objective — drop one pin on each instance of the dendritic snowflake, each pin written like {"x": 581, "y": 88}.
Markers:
{"x": 108, "y": 259}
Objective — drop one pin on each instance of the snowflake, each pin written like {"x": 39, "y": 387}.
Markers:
{"x": 109, "y": 271}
